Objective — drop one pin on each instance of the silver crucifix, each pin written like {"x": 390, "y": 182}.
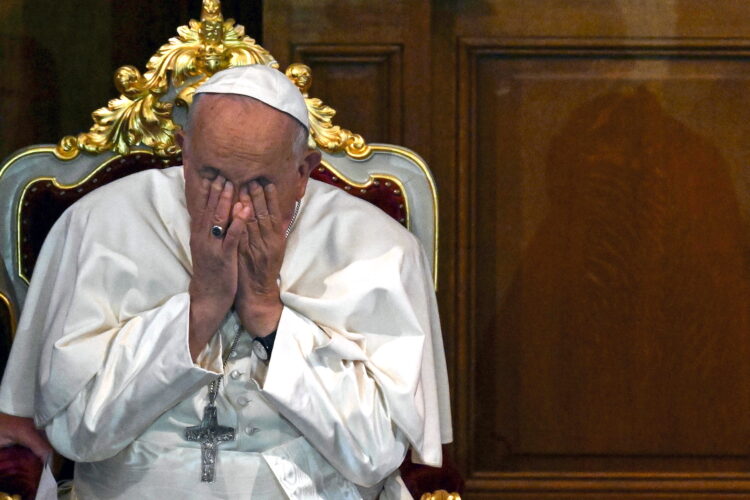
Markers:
{"x": 209, "y": 434}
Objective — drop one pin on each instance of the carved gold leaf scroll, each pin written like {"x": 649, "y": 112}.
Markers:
{"x": 327, "y": 136}
{"x": 200, "y": 50}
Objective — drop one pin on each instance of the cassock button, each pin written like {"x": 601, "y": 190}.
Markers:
{"x": 235, "y": 374}
{"x": 249, "y": 430}
{"x": 243, "y": 401}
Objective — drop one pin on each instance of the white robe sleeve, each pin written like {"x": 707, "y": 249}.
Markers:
{"x": 17, "y": 388}
{"x": 353, "y": 368}
{"x": 115, "y": 354}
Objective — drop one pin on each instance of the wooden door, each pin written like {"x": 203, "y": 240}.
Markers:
{"x": 592, "y": 161}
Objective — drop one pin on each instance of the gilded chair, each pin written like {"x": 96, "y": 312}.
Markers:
{"x": 136, "y": 131}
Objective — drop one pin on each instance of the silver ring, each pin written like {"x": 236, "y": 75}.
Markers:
{"x": 217, "y": 231}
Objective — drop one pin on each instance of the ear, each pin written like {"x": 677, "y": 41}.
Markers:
{"x": 307, "y": 164}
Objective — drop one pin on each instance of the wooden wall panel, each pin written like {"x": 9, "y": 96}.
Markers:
{"x": 602, "y": 254}
{"x": 369, "y": 60}
{"x": 608, "y": 284}
{"x": 565, "y": 390}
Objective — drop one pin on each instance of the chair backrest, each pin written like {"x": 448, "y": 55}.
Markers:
{"x": 136, "y": 131}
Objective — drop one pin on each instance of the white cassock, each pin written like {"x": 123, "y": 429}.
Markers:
{"x": 357, "y": 374}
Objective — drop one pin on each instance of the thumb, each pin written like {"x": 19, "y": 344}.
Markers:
{"x": 37, "y": 442}
{"x": 240, "y": 214}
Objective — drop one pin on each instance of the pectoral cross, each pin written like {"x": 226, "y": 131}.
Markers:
{"x": 209, "y": 434}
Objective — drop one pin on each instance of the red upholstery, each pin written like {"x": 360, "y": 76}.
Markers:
{"x": 6, "y": 325}
{"x": 43, "y": 203}
{"x": 381, "y": 192}
{"x": 20, "y": 470}
{"x": 421, "y": 479}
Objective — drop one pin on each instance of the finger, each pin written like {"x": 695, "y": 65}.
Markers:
{"x": 274, "y": 211}
{"x": 237, "y": 227}
{"x": 224, "y": 206}
{"x": 37, "y": 443}
{"x": 260, "y": 208}
{"x": 245, "y": 196}
{"x": 253, "y": 229}
{"x": 244, "y": 201}
{"x": 198, "y": 221}
{"x": 205, "y": 191}
{"x": 214, "y": 193}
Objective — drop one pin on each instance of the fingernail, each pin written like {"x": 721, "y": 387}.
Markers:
{"x": 227, "y": 187}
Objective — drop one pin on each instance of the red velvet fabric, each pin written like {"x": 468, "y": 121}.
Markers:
{"x": 5, "y": 334}
{"x": 20, "y": 470}
{"x": 421, "y": 479}
{"x": 381, "y": 192}
{"x": 43, "y": 203}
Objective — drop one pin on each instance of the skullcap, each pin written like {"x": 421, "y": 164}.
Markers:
{"x": 263, "y": 83}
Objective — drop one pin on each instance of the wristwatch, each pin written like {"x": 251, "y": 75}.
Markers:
{"x": 262, "y": 346}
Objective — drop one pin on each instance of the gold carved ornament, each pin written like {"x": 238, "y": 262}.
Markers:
{"x": 201, "y": 49}
{"x": 441, "y": 495}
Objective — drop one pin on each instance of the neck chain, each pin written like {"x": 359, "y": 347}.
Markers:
{"x": 297, "y": 205}
{"x": 209, "y": 433}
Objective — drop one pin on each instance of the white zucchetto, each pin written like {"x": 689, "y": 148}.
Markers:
{"x": 263, "y": 83}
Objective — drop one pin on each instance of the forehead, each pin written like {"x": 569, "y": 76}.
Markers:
{"x": 239, "y": 136}
{"x": 221, "y": 114}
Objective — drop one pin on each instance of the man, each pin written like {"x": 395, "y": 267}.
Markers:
{"x": 229, "y": 329}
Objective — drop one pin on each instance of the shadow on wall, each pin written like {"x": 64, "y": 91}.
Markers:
{"x": 632, "y": 302}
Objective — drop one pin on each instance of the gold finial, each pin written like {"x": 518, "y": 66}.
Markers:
{"x": 215, "y": 56}
{"x": 211, "y": 11}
